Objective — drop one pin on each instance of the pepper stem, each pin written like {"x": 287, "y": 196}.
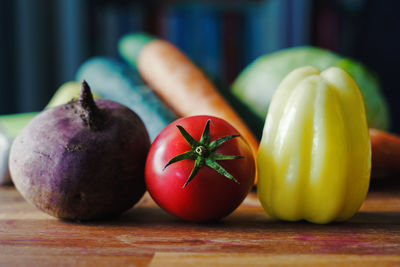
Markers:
{"x": 91, "y": 115}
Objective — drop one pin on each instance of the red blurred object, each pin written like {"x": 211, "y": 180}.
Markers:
{"x": 385, "y": 152}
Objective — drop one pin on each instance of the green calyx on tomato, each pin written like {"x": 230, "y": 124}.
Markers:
{"x": 203, "y": 152}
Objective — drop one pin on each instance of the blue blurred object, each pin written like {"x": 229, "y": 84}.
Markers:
{"x": 44, "y": 41}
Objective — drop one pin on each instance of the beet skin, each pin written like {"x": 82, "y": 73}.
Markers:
{"x": 82, "y": 160}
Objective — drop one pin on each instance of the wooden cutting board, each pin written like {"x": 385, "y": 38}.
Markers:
{"x": 146, "y": 235}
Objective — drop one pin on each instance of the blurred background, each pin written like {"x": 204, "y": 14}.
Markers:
{"x": 44, "y": 42}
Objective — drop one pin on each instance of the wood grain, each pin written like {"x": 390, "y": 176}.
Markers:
{"x": 29, "y": 237}
{"x": 163, "y": 259}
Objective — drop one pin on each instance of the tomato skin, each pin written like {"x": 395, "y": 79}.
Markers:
{"x": 209, "y": 196}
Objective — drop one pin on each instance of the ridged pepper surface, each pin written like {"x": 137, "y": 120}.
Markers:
{"x": 314, "y": 159}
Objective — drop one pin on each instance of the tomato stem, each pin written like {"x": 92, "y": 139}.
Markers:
{"x": 203, "y": 153}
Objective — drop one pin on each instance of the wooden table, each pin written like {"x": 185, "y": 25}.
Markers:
{"x": 146, "y": 235}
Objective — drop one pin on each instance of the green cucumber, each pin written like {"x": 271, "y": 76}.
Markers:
{"x": 114, "y": 80}
{"x": 130, "y": 45}
{"x": 12, "y": 124}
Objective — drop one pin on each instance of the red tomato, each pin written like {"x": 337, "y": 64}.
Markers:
{"x": 209, "y": 195}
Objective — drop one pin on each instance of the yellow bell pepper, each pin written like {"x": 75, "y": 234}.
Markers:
{"x": 314, "y": 160}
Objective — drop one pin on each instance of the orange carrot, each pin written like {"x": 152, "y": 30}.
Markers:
{"x": 385, "y": 149}
{"x": 184, "y": 87}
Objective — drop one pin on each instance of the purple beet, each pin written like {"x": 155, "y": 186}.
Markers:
{"x": 83, "y": 160}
